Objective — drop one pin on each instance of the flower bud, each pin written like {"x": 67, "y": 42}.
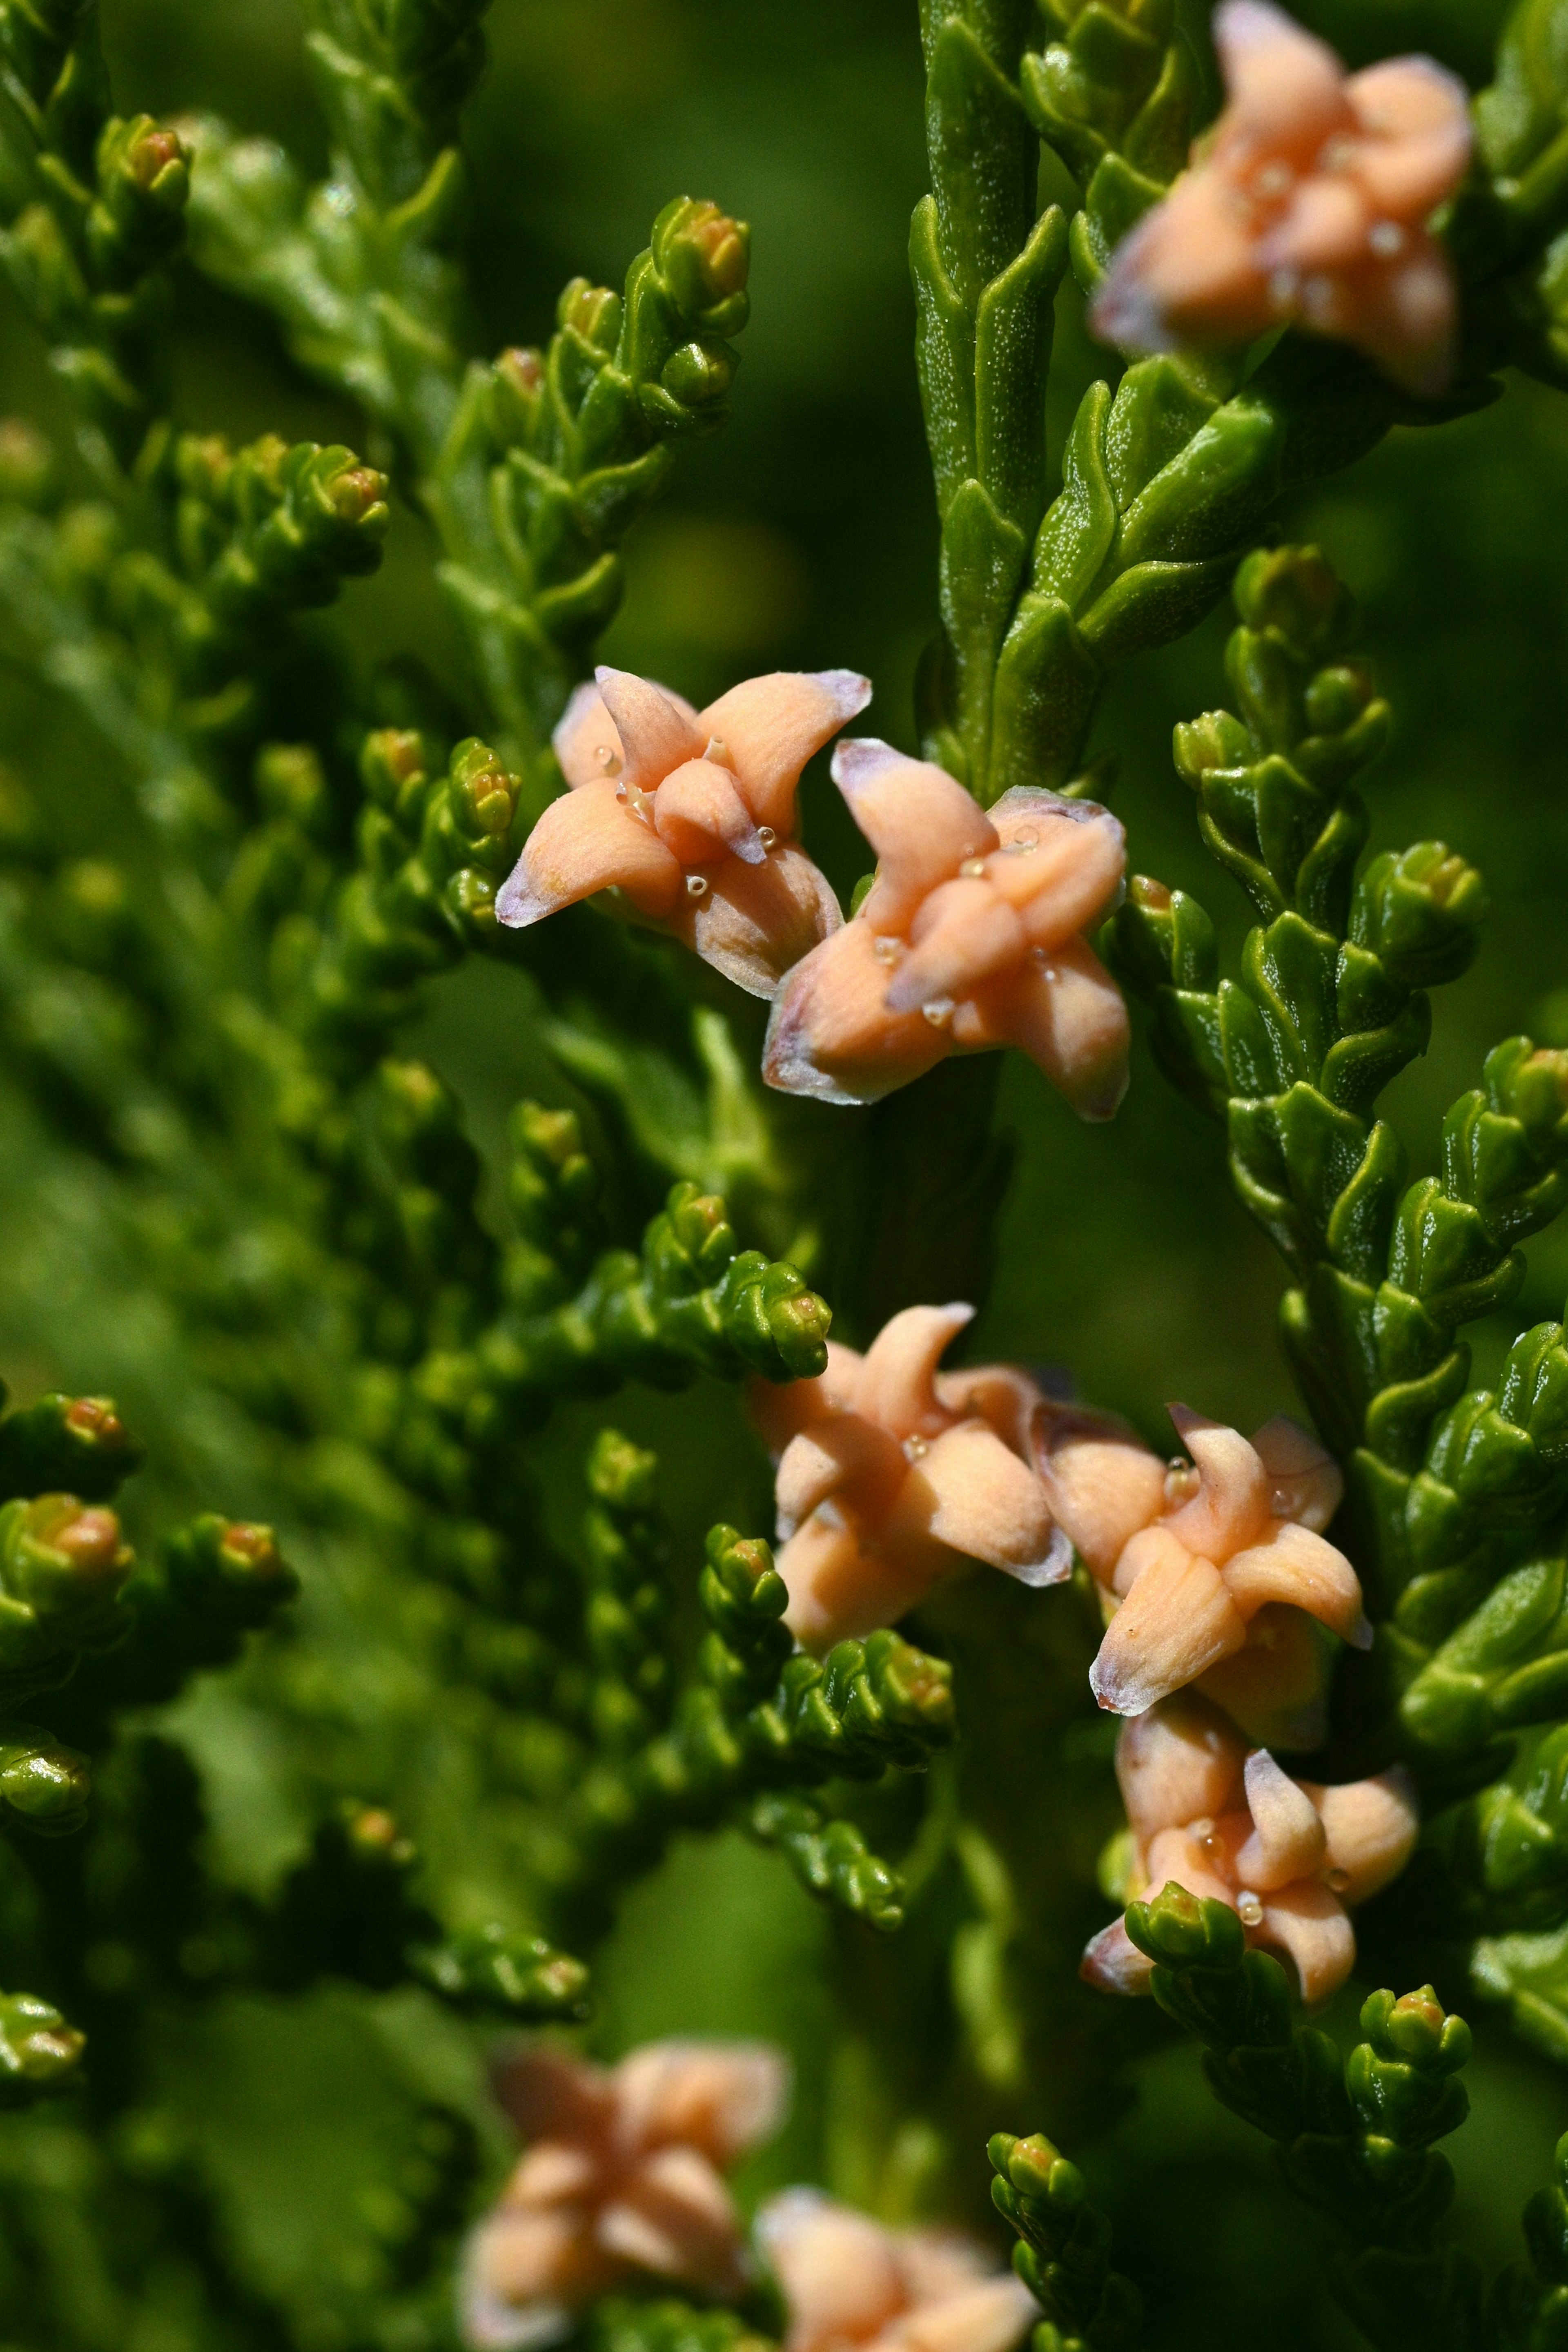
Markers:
{"x": 1292, "y": 589}
{"x": 704, "y": 260}
{"x": 592, "y": 311}
{"x": 394, "y": 765}
{"x": 1420, "y": 911}
{"x": 484, "y": 796}
{"x": 37, "y": 2048}
{"x": 699, "y": 375}
{"x": 517, "y": 389}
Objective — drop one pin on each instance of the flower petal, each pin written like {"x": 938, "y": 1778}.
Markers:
{"x": 517, "y": 2274}
{"x": 1113, "y": 1962}
{"x": 1232, "y": 1506}
{"x": 920, "y": 821}
{"x": 1371, "y": 1828}
{"x": 1000, "y": 1394}
{"x": 1102, "y": 1483}
{"x": 771, "y": 726}
{"x": 699, "y": 814}
{"x": 1068, "y": 1016}
{"x": 847, "y": 1455}
{"x": 1306, "y": 1921}
{"x": 970, "y": 1492}
{"x": 721, "y": 2097}
{"x": 780, "y": 1411}
{"x": 675, "y": 2218}
{"x": 896, "y": 1385}
{"x": 588, "y": 840}
{"x": 657, "y": 732}
{"x": 840, "y": 1591}
{"x": 1276, "y": 1688}
{"x": 585, "y": 744}
{"x": 756, "y": 923}
{"x": 1418, "y": 119}
{"x": 1061, "y": 861}
{"x": 831, "y": 1035}
{"x": 1306, "y": 1571}
{"x": 838, "y": 2268}
{"x": 1305, "y": 1483}
{"x": 1286, "y": 88}
{"x": 551, "y": 2095}
{"x": 1178, "y": 1763}
{"x": 964, "y": 932}
{"x": 1177, "y": 1855}
{"x": 1288, "y": 1840}
{"x": 1177, "y": 1620}
{"x": 989, "y": 2316}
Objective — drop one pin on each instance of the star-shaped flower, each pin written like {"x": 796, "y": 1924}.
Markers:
{"x": 1209, "y": 1571}
{"x": 624, "y": 2176}
{"x": 852, "y": 2285}
{"x": 1289, "y": 1857}
{"x": 1308, "y": 203}
{"x": 893, "y": 1474}
{"x": 691, "y": 815}
{"x": 971, "y": 935}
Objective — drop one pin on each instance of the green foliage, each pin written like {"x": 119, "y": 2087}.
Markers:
{"x": 1064, "y": 2254}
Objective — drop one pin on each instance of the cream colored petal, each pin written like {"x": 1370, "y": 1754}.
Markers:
{"x": 506, "y": 2298}
{"x": 754, "y": 923}
{"x": 675, "y": 2218}
{"x": 1307, "y": 1571}
{"x": 848, "y": 1456}
{"x": 1406, "y": 317}
{"x": 699, "y": 814}
{"x": 771, "y": 726}
{"x": 553, "y": 2172}
{"x": 551, "y": 2095}
{"x": 587, "y": 840}
{"x": 1288, "y": 1840}
{"x": 1372, "y": 1827}
{"x": 964, "y": 932}
{"x": 837, "y": 2269}
{"x": 585, "y": 744}
{"x": 722, "y": 2097}
{"x": 1177, "y": 1857}
{"x": 1232, "y": 1506}
{"x": 1060, "y": 863}
{"x": 1177, "y": 1620}
{"x": 831, "y": 1035}
{"x": 1305, "y": 1480}
{"x": 920, "y": 821}
{"x": 1113, "y": 1962}
{"x": 840, "y": 1591}
{"x": 990, "y": 2315}
{"x": 1309, "y": 1923}
{"x": 657, "y": 732}
{"x": 1325, "y": 228}
{"x": 999, "y": 1394}
{"x": 934, "y": 2264}
{"x": 1178, "y": 1763}
{"x": 1285, "y": 87}
{"x": 970, "y": 1492}
{"x": 896, "y": 1386}
{"x": 1067, "y": 1015}
{"x": 1419, "y": 117}
{"x": 1276, "y": 1688}
{"x": 1190, "y": 267}
{"x": 1102, "y": 1483}
{"x": 779, "y": 1410}
{"x": 1146, "y": 1549}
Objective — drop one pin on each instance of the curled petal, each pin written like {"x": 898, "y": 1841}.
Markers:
{"x": 721, "y": 2097}
{"x": 1189, "y": 265}
{"x": 1325, "y": 228}
{"x": 1306, "y": 1571}
{"x": 771, "y": 726}
{"x": 1286, "y": 88}
{"x": 846, "y": 1456}
{"x": 1103, "y": 1485}
{"x": 840, "y": 1591}
{"x": 964, "y": 933}
{"x": 675, "y": 2218}
{"x": 657, "y": 732}
{"x": 1407, "y": 318}
{"x": 896, "y": 1386}
{"x": 1232, "y": 1506}
{"x": 1288, "y": 1840}
{"x": 1306, "y": 1921}
{"x": 1000, "y": 1394}
{"x": 1061, "y": 862}
{"x": 1420, "y": 119}
{"x": 517, "y": 2272}
{"x": 780, "y": 1412}
{"x": 1179, "y": 1762}
{"x": 1067, "y": 1015}
{"x": 589, "y": 840}
{"x": 970, "y": 1492}
{"x": 551, "y": 2095}
{"x": 1305, "y": 1480}
{"x": 1176, "y": 1621}
{"x": 1177, "y": 1855}
{"x": 1372, "y": 1827}
{"x": 585, "y": 744}
{"x": 553, "y": 2172}
{"x": 756, "y": 923}
{"x": 839, "y": 2269}
{"x": 1276, "y": 1688}
{"x": 920, "y": 821}
{"x": 1113, "y": 1962}
{"x": 990, "y": 2316}
{"x": 831, "y": 1035}
{"x": 699, "y": 814}
{"x": 936, "y": 2264}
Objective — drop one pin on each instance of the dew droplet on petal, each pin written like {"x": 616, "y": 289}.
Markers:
{"x": 939, "y": 1011}
{"x": 1339, "y": 1880}
{"x": 913, "y": 1447}
{"x": 887, "y": 951}
{"x": 1023, "y": 843}
{"x": 608, "y": 759}
{"x": 696, "y": 885}
{"x": 1250, "y": 1909}
{"x": 975, "y": 868}
{"x": 766, "y": 835}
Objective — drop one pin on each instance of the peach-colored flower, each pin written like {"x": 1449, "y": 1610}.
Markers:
{"x": 852, "y": 2285}
{"x": 893, "y": 1474}
{"x": 1289, "y": 1857}
{"x": 624, "y": 2176}
{"x": 1308, "y": 204}
{"x": 971, "y": 935}
{"x": 691, "y": 815}
{"x": 1209, "y": 1571}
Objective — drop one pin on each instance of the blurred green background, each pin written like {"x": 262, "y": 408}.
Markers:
{"x": 803, "y": 537}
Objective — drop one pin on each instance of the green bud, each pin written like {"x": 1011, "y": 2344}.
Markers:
{"x": 699, "y": 375}
{"x": 39, "y": 2051}
{"x": 492, "y": 1970}
{"x": 27, "y": 464}
{"x": 1294, "y": 592}
{"x": 1418, "y": 910}
{"x": 76, "y": 1445}
{"x": 62, "y": 1569}
{"x": 394, "y": 765}
{"x": 704, "y": 260}
{"x": 593, "y": 312}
